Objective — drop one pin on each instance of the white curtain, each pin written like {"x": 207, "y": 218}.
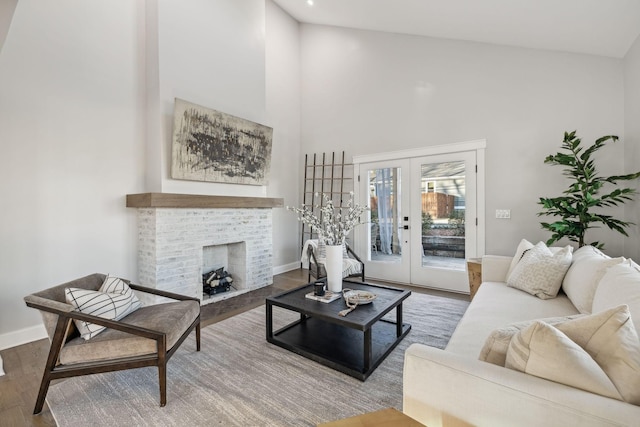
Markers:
{"x": 383, "y": 187}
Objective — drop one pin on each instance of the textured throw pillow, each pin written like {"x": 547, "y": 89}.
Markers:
{"x": 540, "y": 272}
{"x": 114, "y": 300}
{"x": 588, "y": 265}
{"x": 497, "y": 343}
{"x": 620, "y": 285}
{"x": 523, "y": 247}
{"x": 545, "y": 352}
{"x": 611, "y": 340}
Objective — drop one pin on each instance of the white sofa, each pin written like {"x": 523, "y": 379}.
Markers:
{"x": 452, "y": 387}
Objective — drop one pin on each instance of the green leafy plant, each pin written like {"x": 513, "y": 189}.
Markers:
{"x": 427, "y": 223}
{"x": 585, "y": 193}
{"x": 456, "y": 221}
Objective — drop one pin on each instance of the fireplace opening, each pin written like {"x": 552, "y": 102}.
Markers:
{"x": 223, "y": 270}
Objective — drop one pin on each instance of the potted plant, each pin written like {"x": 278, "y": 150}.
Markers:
{"x": 580, "y": 208}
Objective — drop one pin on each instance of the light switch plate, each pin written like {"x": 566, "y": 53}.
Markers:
{"x": 503, "y": 213}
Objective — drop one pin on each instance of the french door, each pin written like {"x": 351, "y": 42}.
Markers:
{"x": 423, "y": 219}
{"x": 385, "y": 240}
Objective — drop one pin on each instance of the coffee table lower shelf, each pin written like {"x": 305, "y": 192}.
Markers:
{"x": 339, "y": 347}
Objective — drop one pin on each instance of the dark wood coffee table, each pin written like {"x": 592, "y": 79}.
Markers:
{"x": 355, "y": 344}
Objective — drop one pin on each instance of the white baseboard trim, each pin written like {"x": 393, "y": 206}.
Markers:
{"x": 22, "y": 336}
{"x": 1, "y": 370}
{"x": 287, "y": 267}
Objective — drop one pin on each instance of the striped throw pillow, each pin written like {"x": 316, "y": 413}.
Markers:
{"x": 114, "y": 300}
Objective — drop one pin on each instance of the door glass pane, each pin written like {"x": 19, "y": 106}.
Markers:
{"x": 443, "y": 215}
{"x": 385, "y": 233}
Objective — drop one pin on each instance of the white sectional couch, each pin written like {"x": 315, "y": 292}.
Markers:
{"x": 452, "y": 387}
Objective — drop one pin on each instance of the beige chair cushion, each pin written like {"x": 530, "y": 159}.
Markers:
{"x": 172, "y": 318}
{"x": 55, "y": 298}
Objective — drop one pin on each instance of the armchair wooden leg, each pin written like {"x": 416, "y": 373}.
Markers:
{"x": 54, "y": 352}
{"x": 198, "y": 336}
{"x": 42, "y": 393}
{"x": 162, "y": 370}
{"x": 162, "y": 378}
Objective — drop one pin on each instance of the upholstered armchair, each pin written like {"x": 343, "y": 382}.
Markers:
{"x": 312, "y": 254}
{"x": 148, "y": 336}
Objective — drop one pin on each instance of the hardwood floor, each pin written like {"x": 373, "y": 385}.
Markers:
{"x": 23, "y": 364}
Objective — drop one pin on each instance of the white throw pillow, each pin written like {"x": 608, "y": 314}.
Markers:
{"x": 611, "y": 340}
{"x": 608, "y": 338}
{"x": 524, "y": 246}
{"x": 540, "y": 272}
{"x": 114, "y": 300}
{"x": 496, "y": 345}
{"x": 545, "y": 352}
{"x": 620, "y": 285}
{"x": 588, "y": 265}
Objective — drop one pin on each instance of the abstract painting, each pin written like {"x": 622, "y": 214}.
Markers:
{"x": 212, "y": 146}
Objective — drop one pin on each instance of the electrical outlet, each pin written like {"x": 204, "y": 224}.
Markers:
{"x": 503, "y": 213}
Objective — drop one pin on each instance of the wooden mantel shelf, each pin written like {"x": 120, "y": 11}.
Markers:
{"x": 167, "y": 200}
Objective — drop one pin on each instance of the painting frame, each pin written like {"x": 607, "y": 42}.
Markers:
{"x": 211, "y": 146}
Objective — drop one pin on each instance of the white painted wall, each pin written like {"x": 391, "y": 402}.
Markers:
{"x": 7, "y": 7}
{"x": 632, "y": 142}
{"x": 211, "y": 53}
{"x": 86, "y": 105}
{"x": 283, "y": 113}
{"x": 71, "y": 129}
{"x": 374, "y": 92}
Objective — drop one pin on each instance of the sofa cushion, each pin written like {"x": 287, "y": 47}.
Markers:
{"x": 620, "y": 285}
{"x": 588, "y": 265}
{"x": 497, "y": 305}
{"x": 497, "y": 343}
{"x": 114, "y": 300}
{"x": 540, "y": 272}
{"x": 545, "y": 352}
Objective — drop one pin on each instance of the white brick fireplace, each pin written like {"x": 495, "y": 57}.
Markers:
{"x": 180, "y": 237}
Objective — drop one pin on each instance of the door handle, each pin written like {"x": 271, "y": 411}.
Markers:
{"x": 403, "y": 227}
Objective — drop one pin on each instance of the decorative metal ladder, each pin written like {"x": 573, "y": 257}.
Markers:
{"x": 335, "y": 179}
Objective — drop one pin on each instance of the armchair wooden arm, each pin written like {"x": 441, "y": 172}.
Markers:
{"x": 161, "y": 293}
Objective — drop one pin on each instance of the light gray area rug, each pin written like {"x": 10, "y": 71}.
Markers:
{"x": 238, "y": 379}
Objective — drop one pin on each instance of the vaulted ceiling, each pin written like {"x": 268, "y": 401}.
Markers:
{"x": 597, "y": 27}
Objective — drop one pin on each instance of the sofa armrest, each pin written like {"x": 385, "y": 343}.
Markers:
{"x": 495, "y": 268}
{"x": 441, "y": 388}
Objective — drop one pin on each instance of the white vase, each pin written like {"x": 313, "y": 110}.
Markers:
{"x": 333, "y": 265}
